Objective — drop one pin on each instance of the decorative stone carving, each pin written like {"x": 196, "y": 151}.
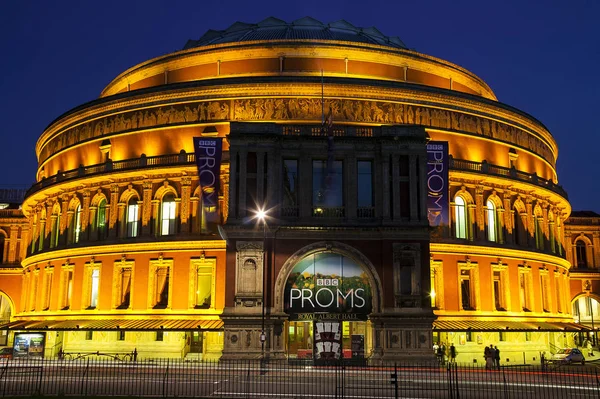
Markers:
{"x": 295, "y": 109}
{"x": 407, "y": 265}
{"x": 249, "y": 274}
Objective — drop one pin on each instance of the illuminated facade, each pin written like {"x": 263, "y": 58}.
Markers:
{"x": 118, "y": 249}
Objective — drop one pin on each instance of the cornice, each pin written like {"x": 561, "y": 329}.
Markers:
{"x": 496, "y": 252}
{"x": 121, "y": 248}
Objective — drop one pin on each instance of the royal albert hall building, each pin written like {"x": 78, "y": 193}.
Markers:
{"x": 267, "y": 192}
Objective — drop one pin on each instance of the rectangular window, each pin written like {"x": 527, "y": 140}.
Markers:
{"x": 559, "y": 306}
{"x": 544, "y": 289}
{"x": 328, "y": 199}
{"x": 95, "y": 285}
{"x": 48, "y": 276}
{"x": 365, "y": 184}
{"x": 204, "y": 279}
{"x": 67, "y": 288}
{"x": 500, "y": 286}
{"x": 527, "y": 335}
{"x": 124, "y": 298}
{"x": 160, "y": 335}
{"x": 132, "y": 220}
{"x": 33, "y": 293}
{"x": 502, "y": 336}
{"x": 121, "y": 336}
{"x": 89, "y": 335}
{"x": 168, "y": 218}
{"x": 465, "y": 290}
{"x": 161, "y": 298}
{"x": 469, "y": 336}
{"x": 290, "y": 187}
{"x": 524, "y": 291}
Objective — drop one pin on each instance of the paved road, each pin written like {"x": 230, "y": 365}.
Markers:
{"x": 250, "y": 381}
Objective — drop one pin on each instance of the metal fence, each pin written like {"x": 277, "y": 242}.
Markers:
{"x": 281, "y": 379}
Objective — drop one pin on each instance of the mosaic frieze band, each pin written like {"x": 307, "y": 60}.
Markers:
{"x": 297, "y": 109}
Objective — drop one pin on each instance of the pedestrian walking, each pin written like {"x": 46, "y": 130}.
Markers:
{"x": 452, "y": 353}
{"x": 590, "y": 348}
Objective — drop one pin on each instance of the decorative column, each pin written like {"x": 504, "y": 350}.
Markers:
{"x": 114, "y": 211}
{"x": 530, "y": 225}
{"x": 479, "y": 213}
{"x": 64, "y": 220}
{"x": 12, "y": 249}
{"x": 85, "y": 215}
{"x": 184, "y": 212}
{"x": 147, "y": 208}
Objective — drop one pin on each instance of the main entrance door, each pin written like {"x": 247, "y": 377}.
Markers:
{"x": 328, "y": 298}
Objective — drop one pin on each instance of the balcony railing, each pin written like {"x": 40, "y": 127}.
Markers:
{"x": 114, "y": 166}
{"x": 329, "y": 212}
{"x": 189, "y": 159}
{"x": 511, "y": 173}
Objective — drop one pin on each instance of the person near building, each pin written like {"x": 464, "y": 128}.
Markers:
{"x": 488, "y": 356}
{"x": 452, "y": 353}
{"x": 497, "y": 358}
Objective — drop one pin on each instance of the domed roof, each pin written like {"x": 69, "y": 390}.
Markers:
{"x": 306, "y": 28}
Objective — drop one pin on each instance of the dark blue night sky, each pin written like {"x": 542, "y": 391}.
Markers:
{"x": 542, "y": 57}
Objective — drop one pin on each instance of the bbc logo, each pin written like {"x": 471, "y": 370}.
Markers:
{"x": 328, "y": 281}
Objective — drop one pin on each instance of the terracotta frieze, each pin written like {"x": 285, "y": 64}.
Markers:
{"x": 302, "y": 109}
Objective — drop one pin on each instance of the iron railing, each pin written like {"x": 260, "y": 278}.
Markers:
{"x": 188, "y": 159}
{"x": 282, "y": 379}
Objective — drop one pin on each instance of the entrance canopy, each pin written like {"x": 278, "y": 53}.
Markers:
{"x": 506, "y": 326}
{"x": 115, "y": 325}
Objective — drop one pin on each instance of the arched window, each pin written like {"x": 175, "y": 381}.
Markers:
{"x": 539, "y": 234}
{"x": 76, "y": 225}
{"x": 101, "y": 219}
{"x": 55, "y": 231}
{"x": 518, "y": 227}
{"x": 492, "y": 223}
{"x": 460, "y": 217}
{"x": 132, "y": 217}
{"x": 167, "y": 215}
{"x": 581, "y": 254}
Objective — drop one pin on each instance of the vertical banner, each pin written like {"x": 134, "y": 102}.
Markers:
{"x": 208, "y": 159}
{"x": 438, "y": 202}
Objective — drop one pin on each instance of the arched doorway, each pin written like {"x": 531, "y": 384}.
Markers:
{"x": 586, "y": 311}
{"x": 328, "y": 294}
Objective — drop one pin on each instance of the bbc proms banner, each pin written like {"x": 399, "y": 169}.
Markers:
{"x": 208, "y": 159}
{"x": 438, "y": 204}
{"x": 327, "y": 286}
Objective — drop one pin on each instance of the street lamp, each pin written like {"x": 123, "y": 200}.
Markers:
{"x": 261, "y": 215}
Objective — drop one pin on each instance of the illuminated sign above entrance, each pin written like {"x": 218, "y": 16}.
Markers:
{"x": 326, "y": 284}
